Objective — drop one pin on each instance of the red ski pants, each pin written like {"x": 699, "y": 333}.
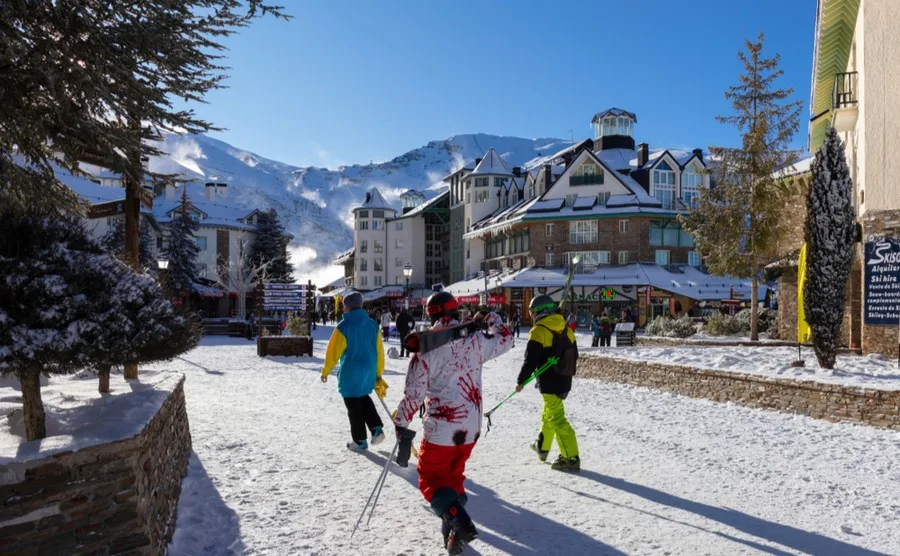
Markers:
{"x": 442, "y": 467}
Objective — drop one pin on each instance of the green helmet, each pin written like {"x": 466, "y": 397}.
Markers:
{"x": 542, "y": 306}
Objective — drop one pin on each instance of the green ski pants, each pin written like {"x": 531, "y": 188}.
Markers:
{"x": 555, "y": 424}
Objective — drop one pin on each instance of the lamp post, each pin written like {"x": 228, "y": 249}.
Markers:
{"x": 407, "y": 272}
{"x": 163, "y": 265}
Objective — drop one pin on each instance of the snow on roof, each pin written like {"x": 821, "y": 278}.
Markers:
{"x": 220, "y": 211}
{"x": 492, "y": 164}
{"x": 618, "y": 159}
{"x": 88, "y": 190}
{"x": 518, "y": 182}
{"x": 345, "y": 256}
{"x": 547, "y": 205}
{"x": 419, "y": 209}
{"x": 614, "y": 112}
{"x": 381, "y": 292}
{"x": 800, "y": 167}
{"x": 582, "y": 203}
{"x": 375, "y": 200}
{"x": 476, "y": 284}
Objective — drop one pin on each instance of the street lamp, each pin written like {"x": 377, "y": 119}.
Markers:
{"x": 163, "y": 264}
{"x": 407, "y": 271}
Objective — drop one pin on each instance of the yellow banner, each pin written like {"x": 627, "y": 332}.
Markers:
{"x": 803, "y": 331}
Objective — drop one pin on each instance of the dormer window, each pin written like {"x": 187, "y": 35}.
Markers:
{"x": 664, "y": 185}
{"x": 691, "y": 182}
{"x": 588, "y": 174}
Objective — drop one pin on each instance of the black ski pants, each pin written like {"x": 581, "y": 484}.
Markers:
{"x": 363, "y": 415}
{"x": 403, "y": 351}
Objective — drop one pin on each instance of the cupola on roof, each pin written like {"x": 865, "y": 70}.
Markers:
{"x": 492, "y": 165}
{"x": 375, "y": 200}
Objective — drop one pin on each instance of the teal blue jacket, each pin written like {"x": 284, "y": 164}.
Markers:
{"x": 356, "y": 348}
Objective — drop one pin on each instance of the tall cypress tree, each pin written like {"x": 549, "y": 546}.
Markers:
{"x": 270, "y": 248}
{"x": 829, "y": 247}
{"x": 181, "y": 248}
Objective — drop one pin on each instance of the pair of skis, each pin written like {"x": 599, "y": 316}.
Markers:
{"x": 423, "y": 342}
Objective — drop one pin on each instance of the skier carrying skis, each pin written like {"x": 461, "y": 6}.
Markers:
{"x": 448, "y": 380}
{"x": 356, "y": 346}
{"x": 548, "y": 335}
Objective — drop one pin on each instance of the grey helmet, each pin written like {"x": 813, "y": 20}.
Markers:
{"x": 353, "y": 300}
{"x": 542, "y": 306}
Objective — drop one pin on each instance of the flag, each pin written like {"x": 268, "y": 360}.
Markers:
{"x": 803, "y": 331}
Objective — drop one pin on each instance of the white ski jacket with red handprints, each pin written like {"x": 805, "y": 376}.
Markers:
{"x": 448, "y": 380}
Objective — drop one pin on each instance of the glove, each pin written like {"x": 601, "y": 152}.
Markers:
{"x": 381, "y": 387}
{"x": 405, "y": 438}
{"x": 324, "y": 378}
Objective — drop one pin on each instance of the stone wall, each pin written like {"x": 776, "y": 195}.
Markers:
{"x": 660, "y": 341}
{"x": 831, "y": 402}
{"x": 112, "y": 498}
{"x": 876, "y": 338}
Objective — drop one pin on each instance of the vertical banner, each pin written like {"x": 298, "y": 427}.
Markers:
{"x": 803, "y": 331}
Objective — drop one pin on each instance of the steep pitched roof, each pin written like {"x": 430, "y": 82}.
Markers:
{"x": 614, "y": 112}
{"x": 493, "y": 165}
{"x": 375, "y": 200}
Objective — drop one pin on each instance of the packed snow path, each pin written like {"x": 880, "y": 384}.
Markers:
{"x": 661, "y": 474}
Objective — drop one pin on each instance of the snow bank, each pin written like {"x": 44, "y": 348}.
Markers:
{"x": 871, "y": 371}
{"x": 78, "y": 416}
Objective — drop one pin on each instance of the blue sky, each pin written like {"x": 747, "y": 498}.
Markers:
{"x": 349, "y": 82}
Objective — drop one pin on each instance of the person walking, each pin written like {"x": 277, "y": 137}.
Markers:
{"x": 386, "y": 319}
{"x": 355, "y": 347}
{"x": 550, "y": 337}
{"x": 405, "y": 323}
{"x": 324, "y": 318}
{"x": 517, "y": 323}
{"x": 606, "y": 330}
{"x": 595, "y": 329}
{"x": 448, "y": 380}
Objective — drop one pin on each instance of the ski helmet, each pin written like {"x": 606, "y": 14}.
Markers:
{"x": 542, "y": 306}
{"x": 441, "y": 304}
{"x": 353, "y": 300}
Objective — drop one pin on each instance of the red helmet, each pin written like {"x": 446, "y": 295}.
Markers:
{"x": 440, "y": 305}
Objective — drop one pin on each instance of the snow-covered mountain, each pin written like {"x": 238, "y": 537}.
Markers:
{"x": 316, "y": 204}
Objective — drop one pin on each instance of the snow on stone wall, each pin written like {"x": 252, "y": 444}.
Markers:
{"x": 111, "y": 498}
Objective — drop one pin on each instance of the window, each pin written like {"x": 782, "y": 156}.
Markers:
{"x": 570, "y": 200}
{"x": 499, "y": 182}
{"x": 583, "y": 231}
{"x": 685, "y": 239}
{"x": 398, "y": 280}
{"x": 691, "y": 182}
{"x": 363, "y": 280}
{"x": 362, "y": 214}
{"x": 548, "y": 229}
{"x": 201, "y": 243}
{"x": 693, "y": 258}
{"x": 159, "y": 243}
{"x": 379, "y": 248}
{"x": 377, "y": 225}
{"x": 378, "y": 280}
{"x": 437, "y": 267}
{"x": 398, "y": 226}
{"x": 664, "y": 185}
{"x": 429, "y": 267}
{"x": 201, "y": 270}
{"x": 429, "y": 250}
{"x": 670, "y": 235}
{"x": 398, "y": 262}
{"x": 364, "y": 246}
{"x": 377, "y": 214}
{"x": 662, "y": 257}
{"x": 623, "y": 226}
{"x": 194, "y": 217}
{"x": 363, "y": 265}
{"x": 588, "y": 261}
{"x": 482, "y": 196}
{"x": 429, "y": 232}
{"x": 363, "y": 225}
{"x": 437, "y": 249}
{"x": 665, "y": 233}
{"x": 548, "y": 259}
{"x": 481, "y": 182}
{"x": 379, "y": 264}
{"x": 398, "y": 243}
{"x": 468, "y": 197}
{"x": 623, "y": 257}
{"x": 588, "y": 174}
{"x": 603, "y": 198}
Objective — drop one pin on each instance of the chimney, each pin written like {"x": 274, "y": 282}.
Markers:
{"x": 210, "y": 191}
{"x": 548, "y": 177}
{"x": 643, "y": 152}
{"x": 222, "y": 190}
{"x": 170, "y": 190}
{"x": 698, "y": 153}
{"x": 477, "y": 161}
{"x": 517, "y": 171}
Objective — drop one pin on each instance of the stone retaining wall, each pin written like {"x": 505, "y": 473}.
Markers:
{"x": 832, "y": 402}
{"x": 109, "y": 499}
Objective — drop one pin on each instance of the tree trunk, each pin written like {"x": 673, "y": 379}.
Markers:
{"x": 131, "y": 370}
{"x": 754, "y": 307}
{"x": 104, "y": 377}
{"x": 32, "y": 404}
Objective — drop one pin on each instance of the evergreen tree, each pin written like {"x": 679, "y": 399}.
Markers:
{"x": 737, "y": 226}
{"x": 182, "y": 249}
{"x": 114, "y": 242}
{"x": 829, "y": 247}
{"x": 270, "y": 248}
{"x": 91, "y": 81}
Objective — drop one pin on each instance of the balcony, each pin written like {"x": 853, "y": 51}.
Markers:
{"x": 587, "y": 179}
{"x": 844, "y": 101}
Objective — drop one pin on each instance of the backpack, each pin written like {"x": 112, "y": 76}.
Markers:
{"x": 565, "y": 350}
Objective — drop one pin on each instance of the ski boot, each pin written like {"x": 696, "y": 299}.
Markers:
{"x": 461, "y": 529}
{"x": 360, "y": 447}
{"x": 536, "y": 447}
{"x": 567, "y": 464}
{"x": 377, "y": 436}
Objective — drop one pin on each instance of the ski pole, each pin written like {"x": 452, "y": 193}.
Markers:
{"x": 378, "y": 486}
{"x": 551, "y": 361}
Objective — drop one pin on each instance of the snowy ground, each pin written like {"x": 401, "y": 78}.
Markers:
{"x": 872, "y": 371}
{"x": 661, "y": 474}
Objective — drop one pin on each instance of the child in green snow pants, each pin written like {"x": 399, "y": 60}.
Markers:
{"x": 555, "y": 424}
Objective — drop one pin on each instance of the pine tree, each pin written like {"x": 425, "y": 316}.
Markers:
{"x": 829, "y": 247}
{"x": 737, "y": 226}
{"x": 182, "y": 249}
{"x": 114, "y": 242}
{"x": 91, "y": 81}
{"x": 270, "y": 248}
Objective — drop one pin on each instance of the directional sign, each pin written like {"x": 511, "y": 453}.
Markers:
{"x": 289, "y": 287}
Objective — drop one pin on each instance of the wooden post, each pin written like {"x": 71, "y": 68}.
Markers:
{"x": 260, "y": 299}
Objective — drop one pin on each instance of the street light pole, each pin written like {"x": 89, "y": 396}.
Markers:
{"x": 407, "y": 272}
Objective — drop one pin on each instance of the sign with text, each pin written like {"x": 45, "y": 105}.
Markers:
{"x": 882, "y": 281}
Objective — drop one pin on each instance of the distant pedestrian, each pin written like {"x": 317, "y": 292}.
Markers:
{"x": 405, "y": 323}
{"x": 324, "y": 318}
{"x": 386, "y": 319}
{"x": 606, "y": 328}
{"x": 595, "y": 329}
{"x": 516, "y": 323}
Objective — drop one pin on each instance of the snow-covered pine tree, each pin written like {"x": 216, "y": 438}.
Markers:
{"x": 829, "y": 247}
{"x": 270, "y": 248}
{"x": 114, "y": 242}
{"x": 181, "y": 248}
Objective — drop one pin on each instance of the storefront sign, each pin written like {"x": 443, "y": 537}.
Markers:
{"x": 608, "y": 294}
{"x": 882, "y": 281}
{"x": 468, "y": 299}
{"x": 497, "y": 300}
